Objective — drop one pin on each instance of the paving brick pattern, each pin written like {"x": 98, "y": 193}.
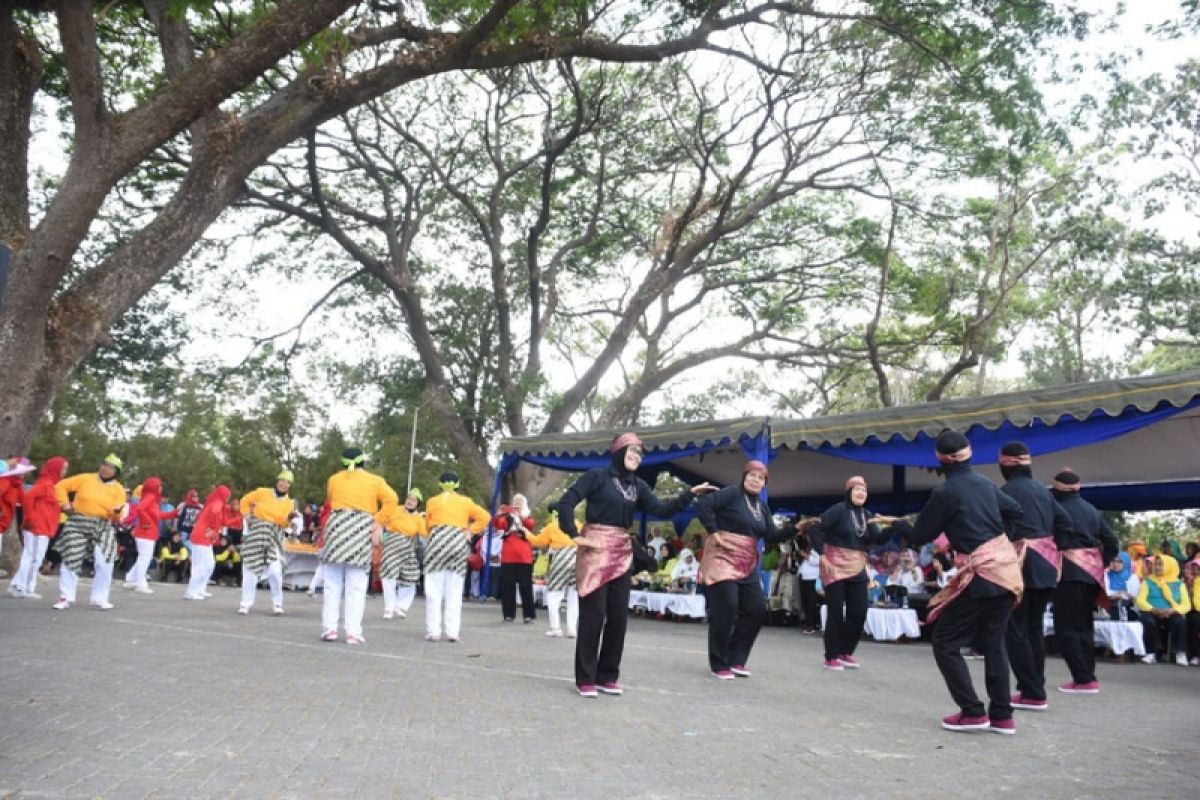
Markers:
{"x": 164, "y": 698}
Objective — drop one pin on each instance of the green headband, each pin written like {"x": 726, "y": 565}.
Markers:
{"x": 449, "y": 486}
{"x": 351, "y": 463}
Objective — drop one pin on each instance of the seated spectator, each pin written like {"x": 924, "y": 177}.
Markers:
{"x": 173, "y": 558}
{"x": 666, "y": 554}
{"x": 1193, "y": 621}
{"x": 1164, "y": 603}
{"x": 906, "y": 573}
{"x": 1191, "y": 564}
{"x": 228, "y": 569}
{"x": 1122, "y": 587}
{"x": 683, "y": 575}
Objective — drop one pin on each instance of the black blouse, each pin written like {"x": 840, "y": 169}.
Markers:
{"x": 732, "y": 510}
{"x": 613, "y": 499}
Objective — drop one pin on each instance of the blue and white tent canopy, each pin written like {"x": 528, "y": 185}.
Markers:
{"x": 1135, "y": 443}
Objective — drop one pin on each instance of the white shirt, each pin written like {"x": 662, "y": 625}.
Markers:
{"x": 810, "y": 568}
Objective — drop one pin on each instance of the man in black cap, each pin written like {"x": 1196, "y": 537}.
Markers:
{"x": 1037, "y": 533}
{"x": 1082, "y": 582}
{"x": 975, "y": 606}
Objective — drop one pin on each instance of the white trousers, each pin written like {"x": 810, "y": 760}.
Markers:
{"x": 274, "y": 580}
{"x": 352, "y": 582}
{"x": 444, "y": 586}
{"x": 137, "y": 574}
{"x": 555, "y": 599}
{"x": 31, "y": 561}
{"x": 68, "y": 581}
{"x": 203, "y": 564}
{"x": 318, "y": 578}
{"x": 397, "y": 597}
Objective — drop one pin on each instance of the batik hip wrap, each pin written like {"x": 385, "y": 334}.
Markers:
{"x": 605, "y": 554}
{"x": 79, "y": 534}
{"x": 399, "y": 562}
{"x": 995, "y": 561}
{"x": 561, "y": 575}
{"x": 262, "y": 545}
{"x": 728, "y": 557}
{"x": 348, "y": 538}
{"x": 448, "y": 550}
{"x": 1044, "y": 547}
{"x": 841, "y": 563}
{"x": 1088, "y": 559}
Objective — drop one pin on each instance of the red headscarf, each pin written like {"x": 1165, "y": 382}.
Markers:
{"x": 212, "y": 517}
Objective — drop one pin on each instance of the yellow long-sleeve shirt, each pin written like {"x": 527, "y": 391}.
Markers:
{"x": 93, "y": 497}
{"x": 267, "y": 505}
{"x": 398, "y": 519}
{"x": 360, "y": 490}
{"x": 167, "y": 555}
{"x": 451, "y": 508}
{"x": 551, "y": 536}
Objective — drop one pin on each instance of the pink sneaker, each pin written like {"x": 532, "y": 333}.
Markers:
{"x": 587, "y": 690}
{"x": 1028, "y": 703}
{"x": 611, "y": 687}
{"x": 1005, "y": 726}
{"x": 352, "y": 639}
{"x": 1091, "y": 687}
{"x": 740, "y": 670}
{"x": 724, "y": 674}
{"x": 834, "y": 664}
{"x": 329, "y": 635}
{"x": 848, "y": 661}
{"x": 962, "y": 723}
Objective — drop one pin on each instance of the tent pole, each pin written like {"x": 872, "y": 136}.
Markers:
{"x": 899, "y": 490}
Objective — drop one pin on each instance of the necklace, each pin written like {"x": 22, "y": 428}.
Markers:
{"x": 858, "y": 516}
{"x": 755, "y": 508}
{"x": 630, "y": 494}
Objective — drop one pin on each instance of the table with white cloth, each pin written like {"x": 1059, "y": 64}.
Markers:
{"x": 684, "y": 605}
{"x": 887, "y": 624}
{"x": 299, "y": 564}
{"x": 1118, "y": 636}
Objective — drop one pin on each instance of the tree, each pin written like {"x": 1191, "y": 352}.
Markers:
{"x": 237, "y": 82}
{"x": 676, "y": 201}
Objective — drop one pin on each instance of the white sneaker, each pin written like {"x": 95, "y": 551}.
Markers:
{"x": 103, "y": 605}
{"x": 432, "y": 637}
{"x": 243, "y": 609}
{"x": 1195, "y": 662}
{"x": 143, "y": 590}
{"x": 129, "y": 585}
{"x": 1181, "y": 659}
{"x": 206, "y": 594}
{"x": 13, "y": 591}
{"x": 401, "y": 614}
{"x": 554, "y": 633}
{"x": 388, "y": 613}
{"x": 62, "y": 605}
{"x": 277, "y": 610}
{"x": 31, "y": 596}
{"x": 1149, "y": 659}
{"x": 570, "y": 634}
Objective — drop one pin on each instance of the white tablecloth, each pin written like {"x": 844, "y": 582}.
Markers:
{"x": 1120, "y": 637}
{"x": 888, "y": 624}
{"x": 298, "y": 569}
{"x": 685, "y": 605}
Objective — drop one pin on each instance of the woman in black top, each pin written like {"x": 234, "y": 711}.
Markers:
{"x": 605, "y": 556}
{"x": 735, "y": 518}
{"x": 847, "y": 530}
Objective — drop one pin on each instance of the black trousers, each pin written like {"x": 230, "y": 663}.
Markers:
{"x": 1075, "y": 628}
{"x": 846, "y": 614}
{"x": 1026, "y": 643}
{"x": 1155, "y": 631}
{"x": 603, "y": 615}
{"x": 513, "y": 577}
{"x": 736, "y": 613}
{"x": 809, "y": 605}
{"x": 1193, "y": 626}
{"x": 978, "y": 623}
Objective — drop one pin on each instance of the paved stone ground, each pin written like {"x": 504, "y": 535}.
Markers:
{"x": 164, "y": 698}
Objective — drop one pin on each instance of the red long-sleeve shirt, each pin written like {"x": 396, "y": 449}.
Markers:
{"x": 516, "y": 548}
{"x": 42, "y": 509}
